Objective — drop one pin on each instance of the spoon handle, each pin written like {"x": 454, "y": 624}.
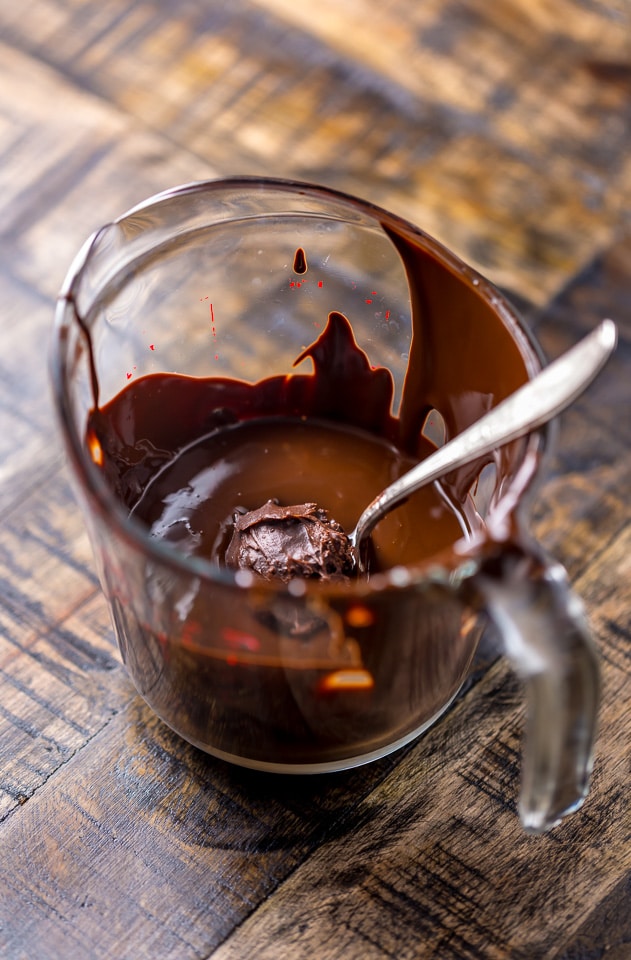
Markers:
{"x": 537, "y": 402}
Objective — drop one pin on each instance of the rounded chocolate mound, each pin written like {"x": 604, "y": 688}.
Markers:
{"x": 285, "y": 542}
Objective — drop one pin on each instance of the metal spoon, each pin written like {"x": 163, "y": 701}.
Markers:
{"x": 539, "y": 400}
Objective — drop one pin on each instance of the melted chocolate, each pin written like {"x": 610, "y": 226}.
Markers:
{"x": 163, "y": 430}
{"x": 191, "y": 501}
{"x": 146, "y": 425}
{"x": 286, "y": 680}
{"x": 463, "y": 358}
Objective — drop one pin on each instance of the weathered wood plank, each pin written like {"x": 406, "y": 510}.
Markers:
{"x": 506, "y": 132}
{"x": 60, "y": 674}
{"x": 145, "y": 847}
{"x": 608, "y": 924}
{"x": 28, "y": 445}
{"x": 493, "y": 128}
{"x": 58, "y": 687}
{"x": 65, "y": 172}
{"x": 585, "y": 501}
{"x": 421, "y": 849}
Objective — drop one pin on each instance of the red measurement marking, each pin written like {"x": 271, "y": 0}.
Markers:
{"x": 239, "y": 640}
{"x": 152, "y": 346}
{"x": 320, "y": 283}
{"x": 387, "y": 314}
{"x": 212, "y": 327}
{"x": 368, "y": 301}
{"x": 129, "y": 375}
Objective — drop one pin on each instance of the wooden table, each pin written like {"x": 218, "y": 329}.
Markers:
{"x": 505, "y": 130}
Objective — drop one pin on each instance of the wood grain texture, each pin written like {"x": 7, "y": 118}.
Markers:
{"x": 505, "y": 130}
{"x": 490, "y": 126}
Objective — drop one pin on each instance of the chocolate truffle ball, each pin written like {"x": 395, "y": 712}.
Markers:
{"x": 285, "y": 542}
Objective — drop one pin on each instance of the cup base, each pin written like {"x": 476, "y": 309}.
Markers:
{"x": 327, "y": 766}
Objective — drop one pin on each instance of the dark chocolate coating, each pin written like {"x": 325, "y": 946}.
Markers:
{"x": 293, "y": 541}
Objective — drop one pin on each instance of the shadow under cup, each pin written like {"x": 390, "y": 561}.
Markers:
{"x": 234, "y": 280}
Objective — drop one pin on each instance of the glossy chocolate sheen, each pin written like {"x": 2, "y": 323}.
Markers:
{"x": 192, "y": 500}
{"x": 283, "y": 542}
{"x": 292, "y": 680}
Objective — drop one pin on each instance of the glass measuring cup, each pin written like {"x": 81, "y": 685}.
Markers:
{"x": 232, "y": 281}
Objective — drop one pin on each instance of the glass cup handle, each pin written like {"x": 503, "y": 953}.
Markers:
{"x": 544, "y": 633}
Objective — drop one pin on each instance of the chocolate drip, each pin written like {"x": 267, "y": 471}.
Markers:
{"x": 300, "y": 262}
